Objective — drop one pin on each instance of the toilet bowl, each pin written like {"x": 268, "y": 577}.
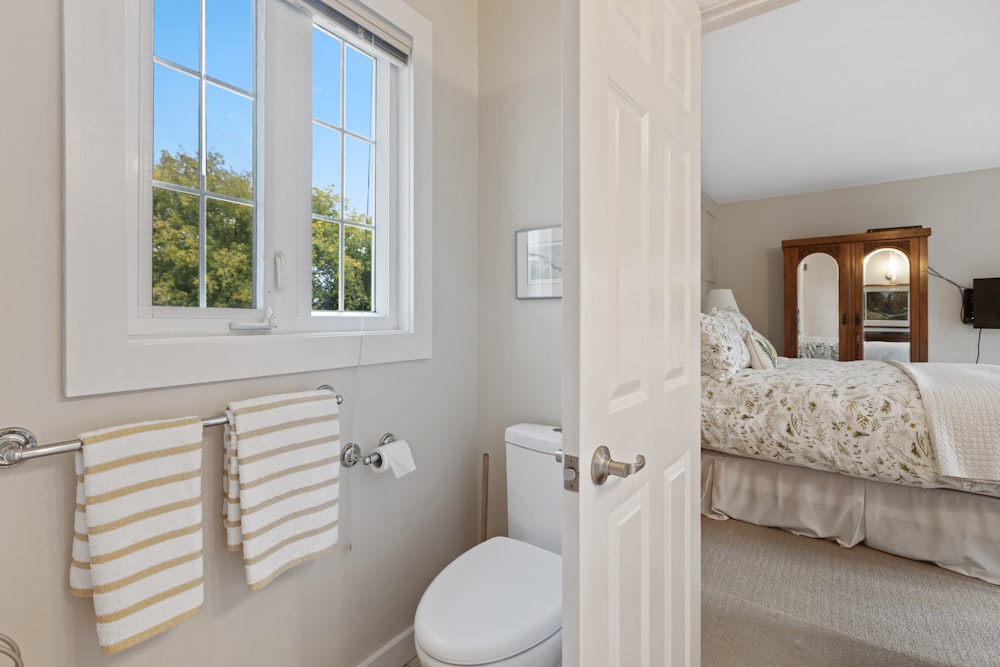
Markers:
{"x": 500, "y": 603}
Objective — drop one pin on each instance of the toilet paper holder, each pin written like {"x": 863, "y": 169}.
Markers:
{"x": 350, "y": 456}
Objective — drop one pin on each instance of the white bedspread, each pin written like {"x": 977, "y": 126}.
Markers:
{"x": 879, "y": 350}
{"x": 962, "y": 404}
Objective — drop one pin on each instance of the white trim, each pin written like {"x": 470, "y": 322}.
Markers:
{"x": 396, "y": 652}
{"x": 719, "y": 14}
{"x": 102, "y": 197}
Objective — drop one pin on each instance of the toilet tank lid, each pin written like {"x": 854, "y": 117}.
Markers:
{"x": 537, "y": 437}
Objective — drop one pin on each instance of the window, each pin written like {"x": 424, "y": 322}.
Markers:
{"x": 204, "y": 203}
{"x": 278, "y": 188}
{"x": 343, "y": 174}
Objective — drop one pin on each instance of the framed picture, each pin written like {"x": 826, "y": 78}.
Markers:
{"x": 887, "y": 305}
{"x": 539, "y": 263}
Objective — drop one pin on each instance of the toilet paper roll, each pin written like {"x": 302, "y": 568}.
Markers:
{"x": 395, "y": 456}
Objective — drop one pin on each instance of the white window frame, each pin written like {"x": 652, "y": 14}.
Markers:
{"x": 109, "y": 346}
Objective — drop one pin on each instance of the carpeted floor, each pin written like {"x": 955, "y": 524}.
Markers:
{"x": 773, "y": 599}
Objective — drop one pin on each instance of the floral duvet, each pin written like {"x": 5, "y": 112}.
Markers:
{"x": 860, "y": 418}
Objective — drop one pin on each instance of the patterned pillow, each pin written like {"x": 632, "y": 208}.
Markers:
{"x": 723, "y": 351}
{"x": 735, "y": 320}
{"x": 763, "y": 356}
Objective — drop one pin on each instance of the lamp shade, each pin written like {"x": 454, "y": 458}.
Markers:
{"x": 721, "y": 299}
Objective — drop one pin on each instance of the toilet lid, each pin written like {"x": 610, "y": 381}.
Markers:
{"x": 496, "y": 600}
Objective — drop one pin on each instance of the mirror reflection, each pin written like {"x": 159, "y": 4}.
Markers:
{"x": 818, "y": 307}
{"x": 886, "y": 304}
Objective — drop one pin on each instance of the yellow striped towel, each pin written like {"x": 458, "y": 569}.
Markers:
{"x": 137, "y": 538}
{"x": 281, "y": 471}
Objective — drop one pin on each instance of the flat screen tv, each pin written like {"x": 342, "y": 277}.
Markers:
{"x": 986, "y": 303}
{"x": 887, "y": 305}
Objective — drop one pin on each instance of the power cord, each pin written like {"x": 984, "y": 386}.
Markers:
{"x": 961, "y": 291}
{"x": 961, "y": 311}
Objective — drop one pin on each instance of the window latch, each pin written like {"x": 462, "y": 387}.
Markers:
{"x": 269, "y": 322}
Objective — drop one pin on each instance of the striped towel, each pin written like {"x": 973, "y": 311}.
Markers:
{"x": 282, "y": 463}
{"x": 137, "y": 542}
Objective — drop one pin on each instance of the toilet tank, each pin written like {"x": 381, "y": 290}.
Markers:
{"x": 534, "y": 485}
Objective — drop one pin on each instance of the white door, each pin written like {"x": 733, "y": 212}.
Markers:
{"x": 631, "y": 106}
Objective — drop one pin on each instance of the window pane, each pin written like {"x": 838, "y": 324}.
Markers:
{"x": 176, "y": 28}
{"x": 175, "y": 127}
{"x": 229, "y": 254}
{"x": 326, "y": 77}
{"x": 229, "y": 141}
{"x": 326, "y": 171}
{"x": 175, "y": 248}
{"x": 358, "y": 87}
{"x": 229, "y": 42}
{"x": 357, "y": 269}
{"x": 325, "y": 265}
{"x": 358, "y": 177}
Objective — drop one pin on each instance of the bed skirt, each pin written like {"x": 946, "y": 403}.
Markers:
{"x": 957, "y": 530}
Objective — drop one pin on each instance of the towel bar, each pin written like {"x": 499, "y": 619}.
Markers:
{"x": 18, "y": 445}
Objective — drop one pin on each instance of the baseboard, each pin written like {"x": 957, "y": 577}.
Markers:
{"x": 395, "y": 653}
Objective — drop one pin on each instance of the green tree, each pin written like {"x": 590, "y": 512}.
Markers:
{"x": 229, "y": 241}
{"x": 357, "y": 269}
{"x": 326, "y": 255}
{"x": 229, "y": 235}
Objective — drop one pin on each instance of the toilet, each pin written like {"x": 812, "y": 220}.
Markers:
{"x": 500, "y": 603}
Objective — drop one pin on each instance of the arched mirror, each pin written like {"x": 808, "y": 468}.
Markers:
{"x": 886, "y": 305}
{"x": 818, "y": 307}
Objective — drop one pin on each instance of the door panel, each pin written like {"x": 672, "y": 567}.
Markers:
{"x": 629, "y": 578}
{"x": 630, "y": 298}
{"x": 628, "y": 249}
{"x": 681, "y": 484}
{"x": 682, "y": 212}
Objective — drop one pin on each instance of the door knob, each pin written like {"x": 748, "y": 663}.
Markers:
{"x": 603, "y": 465}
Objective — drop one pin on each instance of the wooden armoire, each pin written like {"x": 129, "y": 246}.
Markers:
{"x": 864, "y": 288}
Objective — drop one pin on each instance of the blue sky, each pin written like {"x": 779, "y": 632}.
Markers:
{"x": 229, "y": 115}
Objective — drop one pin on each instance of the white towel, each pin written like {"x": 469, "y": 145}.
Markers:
{"x": 281, "y": 471}
{"x": 137, "y": 543}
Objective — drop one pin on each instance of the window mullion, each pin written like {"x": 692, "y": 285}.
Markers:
{"x": 202, "y": 169}
{"x": 384, "y": 218}
{"x": 343, "y": 176}
{"x": 258, "y": 243}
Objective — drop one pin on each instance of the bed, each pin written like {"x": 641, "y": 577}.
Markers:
{"x": 850, "y": 451}
{"x": 820, "y": 347}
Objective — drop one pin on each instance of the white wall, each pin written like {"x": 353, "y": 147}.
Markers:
{"x": 396, "y": 535}
{"x": 520, "y": 341}
{"x": 709, "y": 271}
{"x": 961, "y": 210}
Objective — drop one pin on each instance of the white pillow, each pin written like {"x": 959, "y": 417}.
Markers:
{"x": 763, "y": 356}
{"x": 723, "y": 350}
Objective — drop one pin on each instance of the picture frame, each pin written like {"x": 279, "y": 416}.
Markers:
{"x": 539, "y": 262}
{"x": 887, "y": 305}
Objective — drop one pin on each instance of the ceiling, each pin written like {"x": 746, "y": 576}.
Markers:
{"x": 824, "y": 94}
